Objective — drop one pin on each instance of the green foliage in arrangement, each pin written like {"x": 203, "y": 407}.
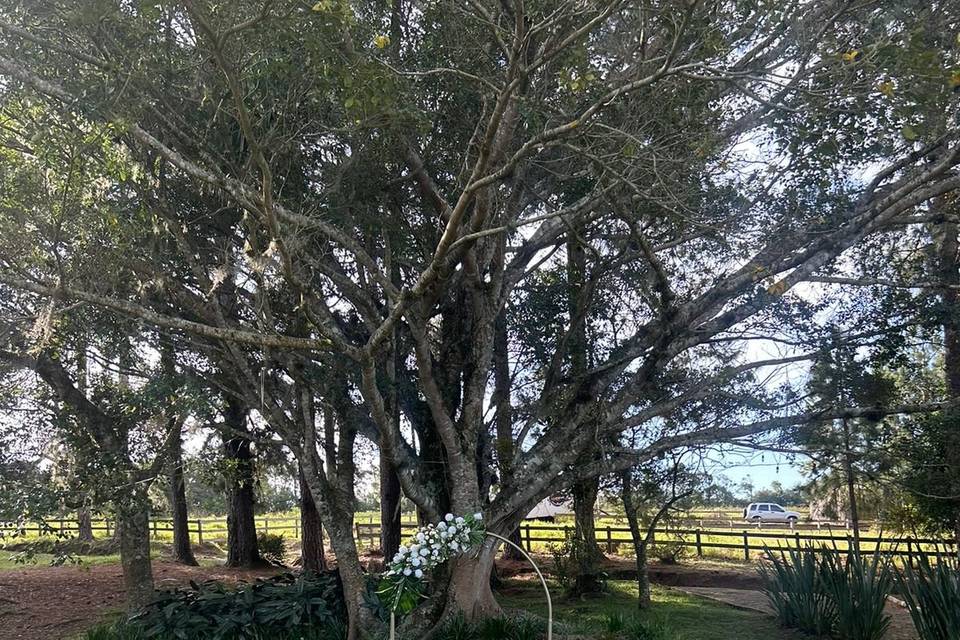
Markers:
{"x": 266, "y": 608}
{"x": 932, "y": 593}
{"x": 830, "y": 593}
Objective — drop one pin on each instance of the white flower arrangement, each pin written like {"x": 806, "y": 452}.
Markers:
{"x": 431, "y": 546}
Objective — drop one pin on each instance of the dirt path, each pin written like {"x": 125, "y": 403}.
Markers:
{"x": 901, "y": 626}
{"x": 53, "y": 603}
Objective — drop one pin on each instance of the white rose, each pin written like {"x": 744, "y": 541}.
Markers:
{"x": 418, "y": 573}
{"x": 407, "y": 571}
{"x": 416, "y": 561}
{"x": 478, "y": 516}
{"x": 448, "y": 517}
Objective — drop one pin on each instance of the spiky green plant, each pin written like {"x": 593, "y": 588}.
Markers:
{"x": 638, "y": 629}
{"x": 493, "y": 628}
{"x": 858, "y": 585}
{"x": 792, "y": 581}
{"x": 932, "y": 594}
{"x": 113, "y": 631}
{"x": 615, "y": 623}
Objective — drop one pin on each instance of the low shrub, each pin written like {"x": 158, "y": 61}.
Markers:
{"x": 266, "y": 608}
{"x": 638, "y": 629}
{"x": 932, "y": 594}
{"x": 273, "y": 547}
{"x": 113, "y": 631}
{"x": 670, "y": 552}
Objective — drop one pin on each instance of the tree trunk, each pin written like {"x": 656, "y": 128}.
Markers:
{"x": 851, "y": 485}
{"x": 340, "y": 531}
{"x": 84, "y": 524}
{"x": 242, "y": 549}
{"x": 469, "y": 591}
{"x": 390, "y": 532}
{"x": 133, "y": 526}
{"x": 311, "y": 532}
{"x": 504, "y": 417}
{"x": 588, "y": 555}
{"x": 640, "y": 541}
{"x": 182, "y": 550}
{"x": 176, "y": 491}
{"x": 948, "y": 253}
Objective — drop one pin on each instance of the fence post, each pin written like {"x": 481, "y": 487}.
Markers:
{"x": 199, "y": 531}
{"x": 106, "y": 523}
{"x": 699, "y": 545}
{"x": 266, "y": 525}
{"x": 910, "y": 552}
{"x": 359, "y": 539}
{"x": 296, "y": 529}
{"x": 609, "y": 540}
{"x": 797, "y": 538}
{"x": 526, "y": 536}
{"x": 746, "y": 547}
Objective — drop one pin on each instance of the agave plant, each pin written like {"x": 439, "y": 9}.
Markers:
{"x": 932, "y": 594}
{"x": 858, "y": 585}
{"x": 792, "y": 582}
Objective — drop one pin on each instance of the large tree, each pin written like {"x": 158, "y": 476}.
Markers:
{"x": 339, "y": 202}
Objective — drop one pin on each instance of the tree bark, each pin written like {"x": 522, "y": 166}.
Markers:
{"x": 176, "y": 490}
{"x": 468, "y": 591}
{"x": 182, "y": 549}
{"x": 84, "y": 524}
{"x": 948, "y": 254}
{"x": 851, "y": 484}
{"x": 312, "y": 558}
{"x": 390, "y": 532}
{"x": 639, "y": 540}
{"x": 133, "y": 527}
{"x": 588, "y": 555}
{"x": 504, "y": 417}
{"x": 242, "y": 549}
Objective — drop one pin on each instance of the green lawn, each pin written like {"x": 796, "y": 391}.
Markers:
{"x": 7, "y": 562}
{"x": 691, "y": 618}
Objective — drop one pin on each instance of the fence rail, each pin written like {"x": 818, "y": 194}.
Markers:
{"x": 691, "y": 535}
{"x": 701, "y": 540}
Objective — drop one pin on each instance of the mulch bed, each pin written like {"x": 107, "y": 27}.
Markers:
{"x": 52, "y": 603}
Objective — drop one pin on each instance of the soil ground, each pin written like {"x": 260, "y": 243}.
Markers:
{"x": 55, "y": 603}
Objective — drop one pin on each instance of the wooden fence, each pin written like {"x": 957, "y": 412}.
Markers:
{"x": 536, "y": 537}
{"x": 701, "y": 540}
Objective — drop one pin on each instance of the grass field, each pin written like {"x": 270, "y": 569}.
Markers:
{"x": 544, "y": 535}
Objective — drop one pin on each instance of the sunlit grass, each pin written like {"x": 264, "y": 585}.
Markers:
{"x": 690, "y": 617}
